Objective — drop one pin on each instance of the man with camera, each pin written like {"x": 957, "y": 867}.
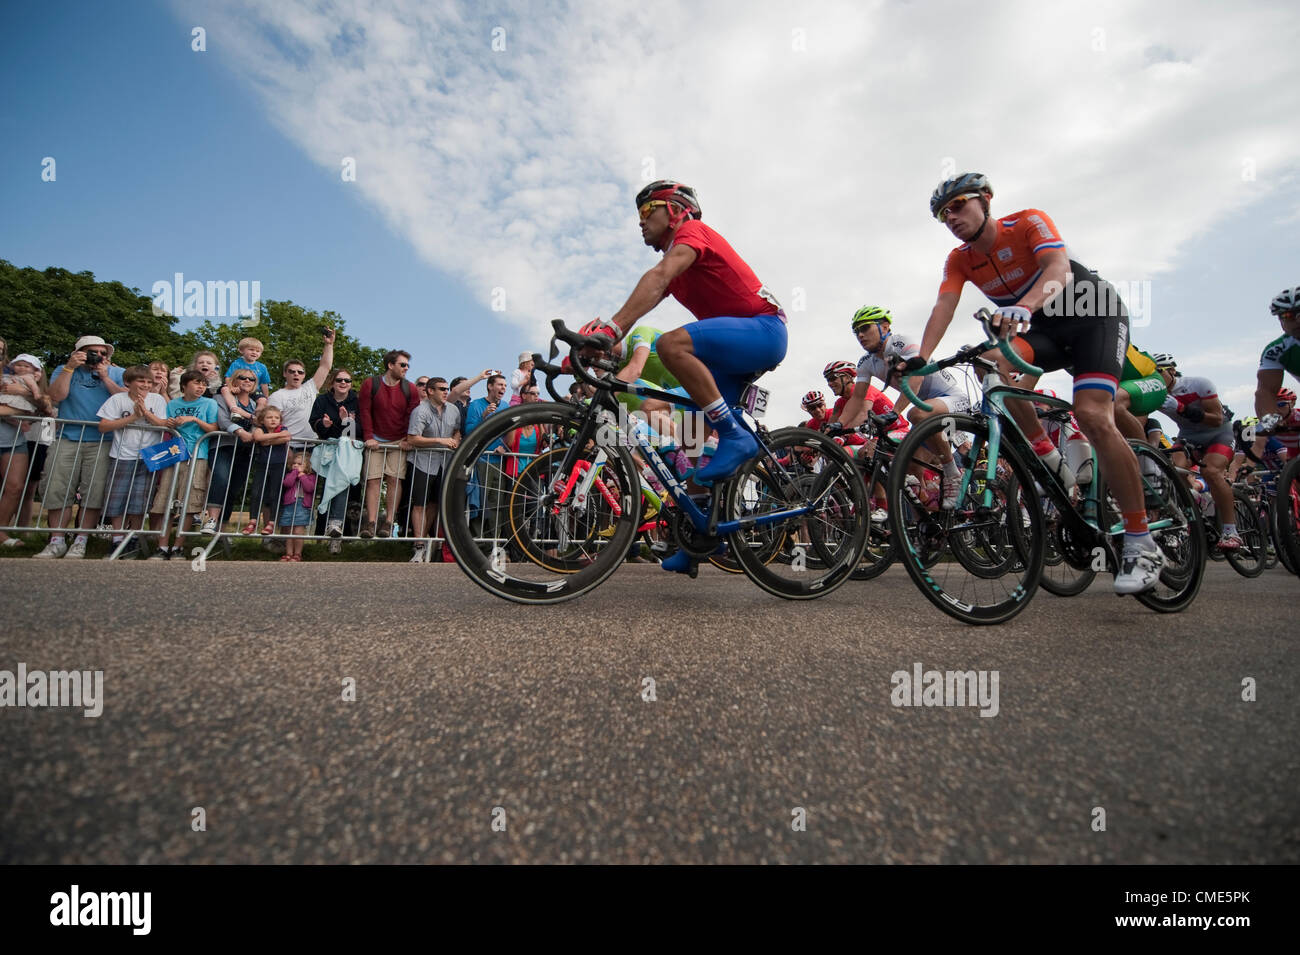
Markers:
{"x": 79, "y": 462}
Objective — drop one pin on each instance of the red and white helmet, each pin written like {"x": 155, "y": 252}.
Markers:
{"x": 811, "y": 399}
{"x": 600, "y": 326}
{"x": 839, "y": 368}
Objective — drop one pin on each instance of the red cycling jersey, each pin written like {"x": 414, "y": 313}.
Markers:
{"x": 1012, "y": 265}
{"x": 718, "y": 282}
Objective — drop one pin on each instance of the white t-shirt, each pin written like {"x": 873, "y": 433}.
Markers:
{"x": 128, "y": 442}
{"x": 296, "y": 405}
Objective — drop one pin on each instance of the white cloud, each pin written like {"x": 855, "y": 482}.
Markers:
{"x": 813, "y": 134}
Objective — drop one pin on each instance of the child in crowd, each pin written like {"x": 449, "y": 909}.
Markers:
{"x": 193, "y": 414}
{"x": 127, "y": 414}
{"x": 161, "y": 378}
{"x": 272, "y": 439}
{"x": 206, "y": 362}
{"x": 250, "y": 349}
{"x": 295, "y": 507}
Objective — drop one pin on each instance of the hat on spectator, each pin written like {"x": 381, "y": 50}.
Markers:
{"x": 85, "y": 340}
{"x": 30, "y": 359}
{"x": 525, "y": 356}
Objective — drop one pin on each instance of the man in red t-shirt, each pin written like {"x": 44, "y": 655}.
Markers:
{"x": 741, "y": 328}
{"x": 386, "y": 403}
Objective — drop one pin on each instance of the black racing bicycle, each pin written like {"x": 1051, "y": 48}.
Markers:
{"x": 792, "y": 515}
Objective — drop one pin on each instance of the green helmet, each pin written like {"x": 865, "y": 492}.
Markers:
{"x": 871, "y": 315}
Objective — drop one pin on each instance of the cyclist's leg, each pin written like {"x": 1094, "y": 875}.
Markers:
{"x": 711, "y": 359}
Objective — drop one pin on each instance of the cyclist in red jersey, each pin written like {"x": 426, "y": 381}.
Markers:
{"x": 741, "y": 328}
{"x": 1078, "y": 322}
{"x": 814, "y": 403}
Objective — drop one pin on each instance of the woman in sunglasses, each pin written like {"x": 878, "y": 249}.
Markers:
{"x": 334, "y": 415}
{"x": 234, "y": 449}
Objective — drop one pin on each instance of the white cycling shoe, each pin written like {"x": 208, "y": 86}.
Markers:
{"x": 1139, "y": 570}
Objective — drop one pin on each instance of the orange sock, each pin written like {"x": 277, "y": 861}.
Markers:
{"x": 1135, "y": 523}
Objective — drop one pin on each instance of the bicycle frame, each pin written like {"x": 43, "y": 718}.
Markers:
{"x": 599, "y": 427}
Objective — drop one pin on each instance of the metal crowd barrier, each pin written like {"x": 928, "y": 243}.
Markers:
{"x": 25, "y": 495}
{"x": 245, "y": 485}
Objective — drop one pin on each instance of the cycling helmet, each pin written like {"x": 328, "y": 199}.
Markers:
{"x": 1163, "y": 361}
{"x": 839, "y": 368}
{"x": 964, "y": 184}
{"x": 676, "y": 195}
{"x": 870, "y": 315}
{"x": 1288, "y": 300}
{"x": 812, "y": 398}
{"x": 1286, "y": 395}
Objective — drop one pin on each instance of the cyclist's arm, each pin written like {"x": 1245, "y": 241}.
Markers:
{"x": 1268, "y": 382}
{"x": 940, "y": 318}
{"x": 1213, "y": 409}
{"x": 653, "y": 286}
{"x": 1055, "y": 264}
{"x": 632, "y": 370}
{"x": 855, "y": 409}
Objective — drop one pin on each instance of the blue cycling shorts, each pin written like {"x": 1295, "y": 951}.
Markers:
{"x": 734, "y": 349}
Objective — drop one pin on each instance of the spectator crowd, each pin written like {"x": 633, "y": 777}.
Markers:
{"x": 92, "y": 448}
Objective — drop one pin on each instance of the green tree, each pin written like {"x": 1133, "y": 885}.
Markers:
{"x": 45, "y": 312}
{"x": 286, "y": 331}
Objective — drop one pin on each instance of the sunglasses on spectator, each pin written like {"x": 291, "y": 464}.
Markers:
{"x": 342, "y": 381}
{"x": 647, "y": 210}
{"x": 244, "y": 378}
{"x": 296, "y": 371}
{"x": 955, "y": 206}
{"x": 402, "y": 364}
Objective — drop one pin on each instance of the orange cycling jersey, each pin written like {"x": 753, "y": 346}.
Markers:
{"x": 1012, "y": 266}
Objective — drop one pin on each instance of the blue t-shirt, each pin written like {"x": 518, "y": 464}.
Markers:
{"x": 263, "y": 376}
{"x": 203, "y": 408}
{"x": 86, "y": 395}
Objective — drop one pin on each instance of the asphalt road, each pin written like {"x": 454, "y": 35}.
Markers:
{"x": 223, "y": 690}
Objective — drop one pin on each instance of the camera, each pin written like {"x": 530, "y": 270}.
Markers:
{"x": 93, "y": 358}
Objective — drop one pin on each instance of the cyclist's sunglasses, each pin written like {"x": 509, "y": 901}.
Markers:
{"x": 647, "y": 210}
{"x": 956, "y": 205}
{"x": 1286, "y": 316}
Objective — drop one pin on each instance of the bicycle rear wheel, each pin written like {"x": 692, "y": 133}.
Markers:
{"x": 1060, "y": 577}
{"x": 492, "y": 519}
{"x": 1286, "y": 506}
{"x": 998, "y": 524}
{"x": 799, "y": 469}
{"x": 1170, "y": 503}
{"x": 1248, "y": 560}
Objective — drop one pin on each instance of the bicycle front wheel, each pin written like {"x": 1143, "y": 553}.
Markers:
{"x": 802, "y": 471}
{"x": 996, "y": 526}
{"x": 513, "y": 534}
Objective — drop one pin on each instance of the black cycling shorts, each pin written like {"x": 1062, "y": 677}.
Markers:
{"x": 1084, "y": 330}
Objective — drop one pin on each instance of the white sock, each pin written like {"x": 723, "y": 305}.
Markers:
{"x": 1229, "y": 530}
{"x": 950, "y": 468}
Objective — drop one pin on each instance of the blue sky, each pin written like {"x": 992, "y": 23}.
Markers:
{"x": 497, "y": 148}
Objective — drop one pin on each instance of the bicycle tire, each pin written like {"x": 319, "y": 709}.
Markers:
{"x": 947, "y": 583}
{"x": 1287, "y": 507}
{"x": 835, "y": 527}
{"x": 485, "y": 559}
{"x": 1183, "y": 543}
{"x": 1249, "y": 559}
{"x": 1060, "y": 577}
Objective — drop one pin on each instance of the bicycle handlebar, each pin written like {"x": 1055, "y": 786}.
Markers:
{"x": 966, "y": 354}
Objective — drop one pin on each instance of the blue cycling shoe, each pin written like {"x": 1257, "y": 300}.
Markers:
{"x": 733, "y": 451}
{"x": 678, "y": 563}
